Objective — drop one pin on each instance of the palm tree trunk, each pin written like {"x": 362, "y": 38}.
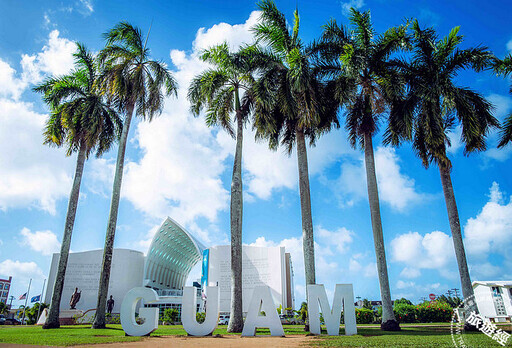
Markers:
{"x": 52, "y": 321}
{"x": 458, "y": 244}
{"x": 99, "y": 320}
{"x": 308, "y": 242}
{"x": 389, "y": 322}
{"x": 236, "y": 319}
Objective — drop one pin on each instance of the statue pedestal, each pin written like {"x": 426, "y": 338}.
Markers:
{"x": 68, "y": 316}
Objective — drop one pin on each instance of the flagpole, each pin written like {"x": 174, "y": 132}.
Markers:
{"x": 40, "y": 300}
{"x": 26, "y": 299}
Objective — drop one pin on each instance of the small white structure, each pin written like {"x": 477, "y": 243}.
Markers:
{"x": 494, "y": 299}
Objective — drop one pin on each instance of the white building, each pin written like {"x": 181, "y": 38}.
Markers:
{"x": 494, "y": 299}
{"x": 172, "y": 254}
{"x": 83, "y": 272}
{"x": 260, "y": 266}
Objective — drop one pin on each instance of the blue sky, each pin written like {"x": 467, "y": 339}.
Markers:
{"x": 178, "y": 167}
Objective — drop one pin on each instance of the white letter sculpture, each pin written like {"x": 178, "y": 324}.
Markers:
{"x": 188, "y": 311}
{"x": 343, "y": 293}
{"x": 150, "y": 315}
{"x": 262, "y": 301}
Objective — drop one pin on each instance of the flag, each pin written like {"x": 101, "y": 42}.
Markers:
{"x": 35, "y": 299}
{"x": 22, "y": 297}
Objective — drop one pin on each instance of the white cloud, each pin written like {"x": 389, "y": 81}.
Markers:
{"x": 432, "y": 251}
{"x": 10, "y": 85}
{"x": 455, "y": 141}
{"x": 345, "y": 6}
{"x": 403, "y": 285}
{"x": 340, "y": 238}
{"x": 31, "y": 174}
{"x": 410, "y": 272}
{"x": 56, "y": 58}
{"x": 23, "y": 271}
{"x": 369, "y": 271}
{"x": 485, "y": 270}
{"x": 489, "y": 231}
{"x": 509, "y": 45}
{"x": 419, "y": 288}
{"x": 395, "y": 188}
{"x": 44, "y": 242}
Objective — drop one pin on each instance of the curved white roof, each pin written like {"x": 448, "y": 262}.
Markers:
{"x": 171, "y": 255}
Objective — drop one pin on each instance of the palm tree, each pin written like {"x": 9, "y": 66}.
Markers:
{"x": 358, "y": 61}
{"x": 434, "y": 105}
{"x": 133, "y": 84}
{"x": 504, "y": 68}
{"x": 80, "y": 120}
{"x": 292, "y": 105}
{"x": 223, "y": 90}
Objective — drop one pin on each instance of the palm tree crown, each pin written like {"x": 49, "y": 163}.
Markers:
{"x": 359, "y": 62}
{"x": 129, "y": 77}
{"x": 434, "y": 105}
{"x": 78, "y": 113}
{"x": 218, "y": 89}
{"x": 290, "y": 95}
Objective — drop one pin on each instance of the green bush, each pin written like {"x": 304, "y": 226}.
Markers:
{"x": 200, "y": 317}
{"x": 405, "y": 313}
{"x": 402, "y": 301}
{"x": 170, "y": 315}
{"x": 364, "y": 316}
{"x": 434, "y": 312}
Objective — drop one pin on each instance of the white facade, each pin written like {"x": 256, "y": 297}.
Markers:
{"x": 83, "y": 272}
{"x": 172, "y": 254}
{"x": 260, "y": 266}
{"x": 494, "y": 299}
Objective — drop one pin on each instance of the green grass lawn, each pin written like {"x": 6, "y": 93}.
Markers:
{"x": 368, "y": 336}
{"x": 408, "y": 337}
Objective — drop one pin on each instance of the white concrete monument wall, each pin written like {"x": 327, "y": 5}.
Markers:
{"x": 260, "y": 265}
{"x": 84, "y": 269}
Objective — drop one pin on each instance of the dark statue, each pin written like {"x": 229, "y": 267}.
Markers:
{"x": 75, "y": 298}
{"x": 110, "y": 305}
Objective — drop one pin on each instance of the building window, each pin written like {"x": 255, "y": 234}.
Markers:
{"x": 2, "y": 286}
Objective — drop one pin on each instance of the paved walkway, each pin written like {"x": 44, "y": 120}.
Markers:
{"x": 222, "y": 341}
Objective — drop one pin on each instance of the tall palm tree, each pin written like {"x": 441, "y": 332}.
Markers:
{"x": 504, "y": 68}
{"x": 434, "y": 105}
{"x": 358, "y": 61}
{"x": 223, "y": 90}
{"x": 133, "y": 83}
{"x": 292, "y": 105}
{"x": 80, "y": 120}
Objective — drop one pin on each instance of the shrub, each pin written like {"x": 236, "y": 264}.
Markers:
{"x": 170, "y": 315}
{"x": 405, "y": 313}
{"x": 200, "y": 317}
{"x": 402, "y": 301}
{"x": 364, "y": 316}
{"x": 432, "y": 312}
